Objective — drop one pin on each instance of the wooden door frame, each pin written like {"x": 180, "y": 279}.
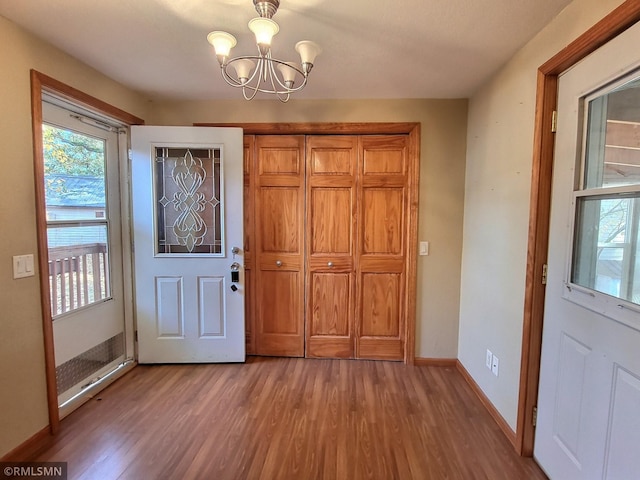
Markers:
{"x": 43, "y": 83}
{"x": 616, "y": 22}
{"x": 412, "y": 130}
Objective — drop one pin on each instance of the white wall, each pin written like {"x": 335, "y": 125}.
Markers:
{"x": 498, "y": 175}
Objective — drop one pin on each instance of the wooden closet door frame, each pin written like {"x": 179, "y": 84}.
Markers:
{"x": 412, "y": 130}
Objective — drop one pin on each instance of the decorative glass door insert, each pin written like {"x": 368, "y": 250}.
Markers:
{"x": 188, "y": 201}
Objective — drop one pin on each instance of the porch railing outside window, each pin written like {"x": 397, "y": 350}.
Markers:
{"x": 78, "y": 276}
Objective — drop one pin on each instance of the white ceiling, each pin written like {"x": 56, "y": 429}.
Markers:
{"x": 371, "y": 48}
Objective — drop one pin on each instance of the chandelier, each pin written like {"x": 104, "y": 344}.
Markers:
{"x": 262, "y": 72}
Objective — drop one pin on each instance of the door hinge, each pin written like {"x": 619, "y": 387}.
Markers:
{"x": 135, "y": 335}
{"x": 534, "y": 417}
{"x": 554, "y": 121}
{"x": 544, "y": 274}
{"x": 130, "y": 154}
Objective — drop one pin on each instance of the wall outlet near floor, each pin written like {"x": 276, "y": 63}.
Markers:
{"x": 495, "y": 365}
{"x": 489, "y": 359}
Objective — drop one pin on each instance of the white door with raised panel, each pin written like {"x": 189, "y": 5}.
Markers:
{"x": 188, "y": 234}
{"x": 589, "y": 396}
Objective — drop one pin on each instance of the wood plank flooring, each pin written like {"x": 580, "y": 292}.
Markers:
{"x": 287, "y": 418}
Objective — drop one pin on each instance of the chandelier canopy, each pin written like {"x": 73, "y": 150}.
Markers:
{"x": 262, "y": 72}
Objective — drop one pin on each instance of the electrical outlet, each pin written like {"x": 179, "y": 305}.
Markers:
{"x": 495, "y": 365}
{"x": 489, "y": 359}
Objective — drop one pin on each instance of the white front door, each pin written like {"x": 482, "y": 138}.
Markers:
{"x": 589, "y": 396}
{"x": 188, "y": 234}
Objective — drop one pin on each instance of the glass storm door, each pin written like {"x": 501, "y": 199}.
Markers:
{"x": 82, "y": 197}
{"x": 188, "y": 235}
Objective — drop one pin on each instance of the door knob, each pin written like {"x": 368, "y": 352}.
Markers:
{"x": 329, "y": 264}
{"x": 278, "y": 263}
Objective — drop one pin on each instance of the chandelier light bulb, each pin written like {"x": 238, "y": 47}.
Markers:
{"x": 264, "y": 29}
{"x": 288, "y": 72}
{"x": 243, "y": 68}
{"x": 308, "y": 52}
{"x": 222, "y": 43}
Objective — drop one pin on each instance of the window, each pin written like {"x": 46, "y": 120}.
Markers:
{"x": 606, "y": 256}
{"x": 77, "y": 211}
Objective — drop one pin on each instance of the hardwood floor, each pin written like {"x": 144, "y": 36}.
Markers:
{"x": 287, "y": 418}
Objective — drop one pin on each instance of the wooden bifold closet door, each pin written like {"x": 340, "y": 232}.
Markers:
{"x": 328, "y": 245}
{"x": 382, "y": 248}
{"x": 331, "y": 247}
{"x": 279, "y": 171}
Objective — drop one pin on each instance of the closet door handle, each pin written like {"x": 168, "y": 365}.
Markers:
{"x": 278, "y": 263}
{"x": 329, "y": 264}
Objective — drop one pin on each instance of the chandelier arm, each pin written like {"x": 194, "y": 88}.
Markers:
{"x": 273, "y": 76}
{"x": 257, "y": 73}
{"x": 253, "y": 93}
{"x": 234, "y": 82}
{"x": 263, "y": 73}
{"x": 270, "y": 60}
{"x": 286, "y": 89}
{"x": 228, "y": 78}
{"x": 283, "y": 96}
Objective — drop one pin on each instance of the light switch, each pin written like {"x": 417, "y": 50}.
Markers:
{"x": 424, "y": 248}
{"x": 23, "y": 266}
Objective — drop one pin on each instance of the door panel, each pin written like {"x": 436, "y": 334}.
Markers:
{"x": 169, "y": 319}
{"x": 329, "y": 304}
{"x": 331, "y": 210}
{"x": 188, "y": 217}
{"x": 279, "y": 225}
{"x": 382, "y": 255}
{"x": 624, "y": 430}
{"x": 574, "y": 358}
{"x": 280, "y": 300}
{"x": 383, "y": 221}
{"x": 280, "y": 206}
{"x": 331, "y": 219}
{"x": 380, "y": 308}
